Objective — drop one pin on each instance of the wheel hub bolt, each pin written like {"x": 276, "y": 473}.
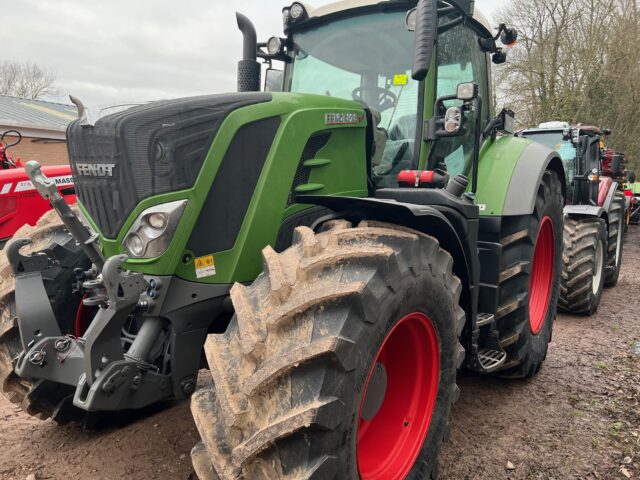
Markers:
{"x": 38, "y": 357}
{"x": 62, "y": 344}
{"x": 188, "y": 388}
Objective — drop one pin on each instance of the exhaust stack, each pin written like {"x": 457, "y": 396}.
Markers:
{"x": 249, "y": 70}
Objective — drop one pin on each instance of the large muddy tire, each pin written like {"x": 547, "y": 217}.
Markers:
{"x": 616, "y": 240}
{"x": 530, "y": 281}
{"x": 334, "y": 319}
{"x": 41, "y": 399}
{"x": 583, "y": 265}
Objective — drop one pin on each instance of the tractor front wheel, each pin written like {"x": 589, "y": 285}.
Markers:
{"x": 340, "y": 362}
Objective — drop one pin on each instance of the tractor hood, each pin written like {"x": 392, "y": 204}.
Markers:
{"x": 210, "y": 148}
{"x": 145, "y": 151}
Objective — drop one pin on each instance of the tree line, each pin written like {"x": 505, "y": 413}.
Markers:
{"x": 576, "y": 61}
{"x": 26, "y": 80}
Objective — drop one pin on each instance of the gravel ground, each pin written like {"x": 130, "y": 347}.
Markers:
{"x": 580, "y": 418}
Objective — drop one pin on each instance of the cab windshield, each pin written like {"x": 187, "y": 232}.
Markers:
{"x": 368, "y": 59}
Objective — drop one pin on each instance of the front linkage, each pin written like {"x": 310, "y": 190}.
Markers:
{"x": 163, "y": 355}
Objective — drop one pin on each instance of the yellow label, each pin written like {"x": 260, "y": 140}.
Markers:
{"x": 400, "y": 80}
{"x": 205, "y": 266}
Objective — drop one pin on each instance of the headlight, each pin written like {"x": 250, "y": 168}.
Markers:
{"x": 274, "y": 46}
{"x": 286, "y": 17}
{"x": 152, "y": 232}
{"x": 297, "y": 11}
{"x": 294, "y": 14}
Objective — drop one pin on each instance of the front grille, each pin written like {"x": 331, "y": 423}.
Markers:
{"x": 154, "y": 149}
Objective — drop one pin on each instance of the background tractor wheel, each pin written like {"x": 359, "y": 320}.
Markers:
{"x": 340, "y": 362}
{"x": 43, "y": 399}
{"x": 530, "y": 280}
{"x": 583, "y": 265}
{"x": 616, "y": 240}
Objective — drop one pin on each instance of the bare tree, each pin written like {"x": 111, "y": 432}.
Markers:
{"x": 26, "y": 80}
{"x": 577, "y": 61}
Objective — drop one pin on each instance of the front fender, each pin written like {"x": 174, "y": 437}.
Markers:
{"x": 424, "y": 218}
{"x": 510, "y": 173}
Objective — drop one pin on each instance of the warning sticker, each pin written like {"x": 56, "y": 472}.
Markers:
{"x": 205, "y": 266}
{"x": 400, "y": 80}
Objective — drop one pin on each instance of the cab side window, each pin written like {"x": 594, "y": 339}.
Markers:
{"x": 460, "y": 60}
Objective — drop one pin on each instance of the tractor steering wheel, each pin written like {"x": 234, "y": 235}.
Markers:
{"x": 386, "y": 98}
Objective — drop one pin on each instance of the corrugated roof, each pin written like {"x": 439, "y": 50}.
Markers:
{"x": 22, "y": 112}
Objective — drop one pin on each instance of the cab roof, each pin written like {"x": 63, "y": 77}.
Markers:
{"x": 346, "y": 5}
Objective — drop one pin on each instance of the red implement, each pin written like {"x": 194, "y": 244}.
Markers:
{"x": 21, "y": 204}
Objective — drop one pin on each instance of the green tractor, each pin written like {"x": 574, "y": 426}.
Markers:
{"x": 338, "y": 250}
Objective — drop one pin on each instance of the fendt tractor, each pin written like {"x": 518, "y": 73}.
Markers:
{"x": 20, "y": 203}
{"x": 595, "y": 214}
{"x": 339, "y": 249}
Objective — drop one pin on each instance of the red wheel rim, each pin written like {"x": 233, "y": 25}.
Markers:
{"x": 390, "y": 442}
{"x": 541, "y": 276}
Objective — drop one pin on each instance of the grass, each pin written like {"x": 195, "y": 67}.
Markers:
{"x": 616, "y": 428}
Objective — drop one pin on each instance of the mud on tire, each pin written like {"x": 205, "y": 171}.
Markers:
{"x": 42, "y": 399}
{"x": 616, "y": 240}
{"x": 583, "y": 265}
{"x": 526, "y": 351}
{"x": 290, "y": 371}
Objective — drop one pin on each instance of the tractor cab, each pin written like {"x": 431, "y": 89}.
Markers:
{"x": 580, "y": 147}
{"x": 428, "y": 106}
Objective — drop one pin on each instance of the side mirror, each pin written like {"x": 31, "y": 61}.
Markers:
{"x": 508, "y": 118}
{"x": 566, "y": 135}
{"x": 632, "y": 177}
{"x": 274, "y": 80}
{"x": 606, "y": 131}
{"x": 426, "y": 33}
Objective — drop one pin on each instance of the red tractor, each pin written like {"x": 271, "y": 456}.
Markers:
{"x": 20, "y": 203}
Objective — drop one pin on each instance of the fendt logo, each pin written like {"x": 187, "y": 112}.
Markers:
{"x": 343, "y": 118}
{"x": 95, "y": 169}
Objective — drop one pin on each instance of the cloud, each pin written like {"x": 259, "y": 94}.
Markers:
{"x": 134, "y": 50}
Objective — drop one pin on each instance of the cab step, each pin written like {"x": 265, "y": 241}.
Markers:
{"x": 485, "y": 319}
{"x": 491, "y": 360}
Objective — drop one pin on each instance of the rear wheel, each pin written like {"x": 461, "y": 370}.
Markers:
{"x": 530, "y": 278}
{"x": 340, "y": 362}
{"x": 42, "y": 399}
{"x": 582, "y": 281}
{"x": 616, "y": 240}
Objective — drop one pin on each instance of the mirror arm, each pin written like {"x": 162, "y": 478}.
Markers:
{"x": 450, "y": 7}
{"x": 446, "y": 10}
{"x": 492, "y": 126}
{"x": 426, "y": 35}
{"x": 449, "y": 25}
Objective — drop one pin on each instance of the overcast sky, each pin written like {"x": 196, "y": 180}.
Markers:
{"x": 118, "y": 50}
